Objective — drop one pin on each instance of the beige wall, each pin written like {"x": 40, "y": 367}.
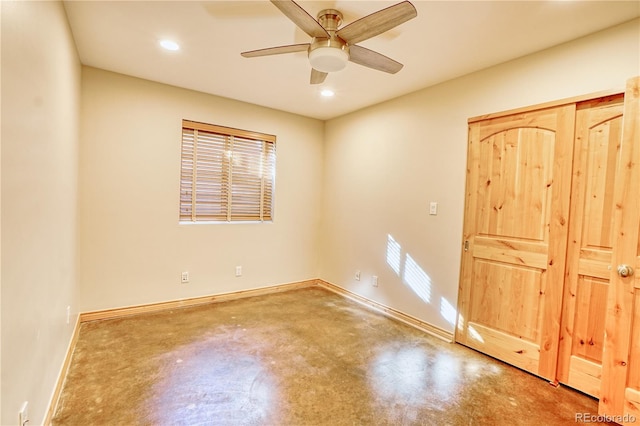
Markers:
{"x": 383, "y": 165}
{"x": 40, "y": 121}
{"x": 132, "y": 247}
{"x": 367, "y": 176}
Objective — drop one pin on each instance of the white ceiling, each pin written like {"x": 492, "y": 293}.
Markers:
{"x": 446, "y": 40}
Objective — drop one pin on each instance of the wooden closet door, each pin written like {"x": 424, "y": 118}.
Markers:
{"x": 598, "y": 134}
{"x": 620, "y": 390}
{"x": 515, "y": 231}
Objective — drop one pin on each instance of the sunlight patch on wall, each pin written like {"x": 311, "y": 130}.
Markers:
{"x": 417, "y": 279}
{"x": 447, "y": 311}
{"x": 411, "y": 273}
{"x": 393, "y": 254}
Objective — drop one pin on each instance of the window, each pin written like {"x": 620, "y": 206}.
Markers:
{"x": 227, "y": 175}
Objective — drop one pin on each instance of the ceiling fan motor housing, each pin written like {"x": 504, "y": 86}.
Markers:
{"x": 329, "y": 54}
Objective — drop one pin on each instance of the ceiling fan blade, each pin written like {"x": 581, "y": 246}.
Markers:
{"x": 291, "y": 48}
{"x": 368, "y": 58}
{"x": 377, "y": 23}
{"x": 301, "y": 18}
{"x": 317, "y": 77}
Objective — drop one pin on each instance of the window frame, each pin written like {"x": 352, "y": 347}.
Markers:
{"x": 240, "y": 154}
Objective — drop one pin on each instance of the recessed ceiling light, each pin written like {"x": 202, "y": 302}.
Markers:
{"x": 169, "y": 45}
{"x": 327, "y": 93}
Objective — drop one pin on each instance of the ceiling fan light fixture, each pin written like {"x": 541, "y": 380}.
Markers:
{"x": 328, "y": 59}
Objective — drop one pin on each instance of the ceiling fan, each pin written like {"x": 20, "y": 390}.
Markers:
{"x": 333, "y": 46}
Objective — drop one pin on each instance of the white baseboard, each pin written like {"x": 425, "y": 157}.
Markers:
{"x": 390, "y": 312}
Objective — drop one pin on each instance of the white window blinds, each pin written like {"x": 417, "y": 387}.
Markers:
{"x": 226, "y": 174}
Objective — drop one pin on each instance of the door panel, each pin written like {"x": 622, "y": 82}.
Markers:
{"x": 515, "y": 199}
{"x": 517, "y": 207}
{"x": 620, "y": 388}
{"x": 591, "y": 300}
{"x": 499, "y": 293}
{"x": 597, "y": 141}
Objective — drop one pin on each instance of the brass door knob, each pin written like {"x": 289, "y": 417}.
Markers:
{"x": 625, "y": 271}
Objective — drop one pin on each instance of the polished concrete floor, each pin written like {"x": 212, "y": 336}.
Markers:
{"x": 303, "y": 357}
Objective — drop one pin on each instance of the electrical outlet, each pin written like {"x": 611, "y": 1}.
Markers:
{"x": 23, "y": 414}
{"x": 374, "y": 281}
{"x": 68, "y": 314}
{"x": 357, "y": 275}
{"x": 238, "y": 271}
{"x": 185, "y": 277}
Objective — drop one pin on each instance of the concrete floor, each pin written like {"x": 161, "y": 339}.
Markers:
{"x": 303, "y": 357}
